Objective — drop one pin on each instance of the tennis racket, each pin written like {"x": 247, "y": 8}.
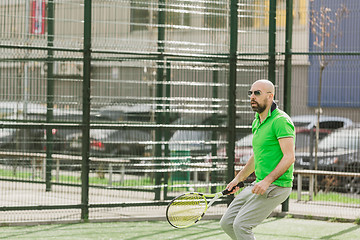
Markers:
{"x": 187, "y": 209}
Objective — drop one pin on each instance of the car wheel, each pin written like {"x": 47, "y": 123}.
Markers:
{"x": 352, "y": 185}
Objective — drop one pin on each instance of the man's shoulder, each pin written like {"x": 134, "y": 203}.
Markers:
{"x": 280, "y": 115}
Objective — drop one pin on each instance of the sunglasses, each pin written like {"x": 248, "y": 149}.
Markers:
{"x": 256, "y": 93}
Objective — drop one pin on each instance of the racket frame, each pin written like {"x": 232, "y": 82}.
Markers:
{"x": 208, "y": 204}
{"x": 214, "y": 196}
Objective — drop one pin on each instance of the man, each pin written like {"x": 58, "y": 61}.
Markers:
{"x": 272, "y": 160}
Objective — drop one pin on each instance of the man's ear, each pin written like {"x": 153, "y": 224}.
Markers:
{"x": 271, "y": 96}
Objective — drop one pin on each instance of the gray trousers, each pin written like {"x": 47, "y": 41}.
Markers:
{"x": 248, "y": 210}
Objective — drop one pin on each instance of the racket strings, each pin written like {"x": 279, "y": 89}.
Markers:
{"x": 186, "y": 210}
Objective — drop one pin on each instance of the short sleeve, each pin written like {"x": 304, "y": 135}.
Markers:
{"x": 284, "y": 128}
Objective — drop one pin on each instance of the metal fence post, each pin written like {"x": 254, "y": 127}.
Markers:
{"x": 86, "y": 112}
{"x": 232, "y": 89}
{"x": 272, "y": 41}
{"x": 50, "y": 94}
{"x": 215, "y": 121}
{"x": 167, "y": 121}
{"x": 287, "y": 71}
{"x": 288, "y": 56}
{"x": 159, "y": 92}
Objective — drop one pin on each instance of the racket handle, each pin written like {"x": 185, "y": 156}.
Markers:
{"x": 226, "y": 192}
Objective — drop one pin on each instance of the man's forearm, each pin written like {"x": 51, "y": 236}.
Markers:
{"x": 242, "y": 175}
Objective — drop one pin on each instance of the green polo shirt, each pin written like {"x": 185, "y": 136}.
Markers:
{"x": 266, "y": 147}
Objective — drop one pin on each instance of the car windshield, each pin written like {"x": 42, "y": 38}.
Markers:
{"x": 188, "y": 120}
{"x": 301, "y": 124}
{"x": 187, "y": 135}
{"x": 346, "y": 138}
{"x": 101, "y": 133}
{"x": 6, "y": 132}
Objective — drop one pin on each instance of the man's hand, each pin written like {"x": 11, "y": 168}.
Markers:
{"x": 232, "y": 186}
{"x": 261, "y": 187}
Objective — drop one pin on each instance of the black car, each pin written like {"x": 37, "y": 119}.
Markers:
{"x": 199, "y": 142}
{"x": 34, "y": 139}
{"x": 21, "y": 139}
{"x": 339, "y": 151}
{"x": 129, "y": 112}
{"x": 111, "y": 142}
{"x": 125, "y": 143}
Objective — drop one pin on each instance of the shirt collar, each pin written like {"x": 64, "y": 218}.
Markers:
{"x": 273, "y": 107}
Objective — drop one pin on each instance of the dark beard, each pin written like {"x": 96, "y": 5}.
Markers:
{"x": 259, "y": 109}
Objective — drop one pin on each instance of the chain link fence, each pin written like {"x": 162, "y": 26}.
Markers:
{"x": 110, "y": 108}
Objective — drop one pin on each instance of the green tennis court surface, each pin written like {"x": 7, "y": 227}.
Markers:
{"x": 272, "y": 228}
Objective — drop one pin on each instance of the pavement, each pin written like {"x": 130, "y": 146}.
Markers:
{"x": 17, "y": 194}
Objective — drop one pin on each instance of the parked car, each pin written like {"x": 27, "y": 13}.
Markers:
{"x": 340, "y": 152}
{"x": 7, "y": 137}
{"x": 305, "y": 137}
{"x": 20, "y": 139}
{"x": 25, "y": 139}
{"x": 18, "y": 110}
{"x": 111, "y": 142}
{"x": 127, "y": 112}
{"x": 243, "y": 147}
{"x": 197, "y": 142}
{"x": 305, "y": 134}
{"x": 116, "y": 142}
{"x": 34, "y": 139}
{"x": 326, "y": 122}
{"x": 60, "y": 135}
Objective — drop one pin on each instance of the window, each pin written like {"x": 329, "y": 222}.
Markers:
{"x": 261, "y": 8}
{"x": 140, "y": 15}
{"x": 144, "y": 14}
{"x": 216, "y": 14}
{"x": 177, "y": 15}
{"x": 246, "y": 13}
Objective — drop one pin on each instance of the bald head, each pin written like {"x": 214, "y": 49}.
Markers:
{"x": 261, "y": 96}
{"x": 264, "y": 85}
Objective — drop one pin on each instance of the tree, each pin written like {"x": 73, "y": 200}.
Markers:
{"x": 325, "y": 27}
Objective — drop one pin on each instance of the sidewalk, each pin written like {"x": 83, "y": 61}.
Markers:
{"x": 15, "y": 194}
{"x": 324, "y": 210}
